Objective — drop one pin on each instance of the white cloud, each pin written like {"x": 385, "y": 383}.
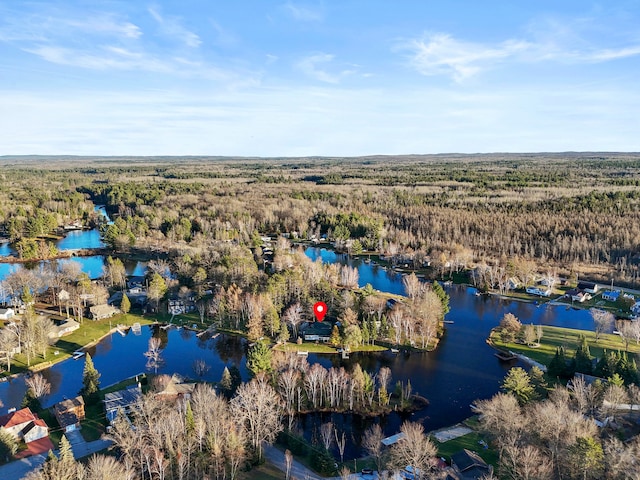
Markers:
{"x": 440, "y": 53}
{"x": 172, "y": 27}
{"x": 311, "y": 66}
{"x": 303, "y": 13}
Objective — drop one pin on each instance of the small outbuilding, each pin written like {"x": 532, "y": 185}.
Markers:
{"x": 6, "y": 313}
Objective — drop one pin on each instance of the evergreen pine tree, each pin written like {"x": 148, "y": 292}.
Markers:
{"x": 606, "y": 366}
{"x": 582, "y": 359}
{"x": 283, "y": 334}
{"x": 335, "y": 338}
{"x": 90, "y": 380}
{"x": 442, "y": 295}
{"x": 236, "y": 378}
{"x": 226, "y": 386}
{"x": 259, "y": 358}
{"x": 125, "y": 304}
{"x": 558, "y": 365}
{"x": 190, "y": 421}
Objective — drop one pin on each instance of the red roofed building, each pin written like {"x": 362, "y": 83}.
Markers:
{"x": 24, "y": 425}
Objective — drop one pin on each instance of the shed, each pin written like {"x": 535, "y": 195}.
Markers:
{"x": 6, "y": 313}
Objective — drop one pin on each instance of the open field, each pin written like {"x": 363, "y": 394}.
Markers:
{"x": 554, "y": 337}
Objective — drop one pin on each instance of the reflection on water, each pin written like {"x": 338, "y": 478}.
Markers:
{"x": 462, "y": 369}
{"x": 118, "y": 357}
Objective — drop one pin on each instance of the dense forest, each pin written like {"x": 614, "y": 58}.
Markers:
{"x": 577, "y": 213}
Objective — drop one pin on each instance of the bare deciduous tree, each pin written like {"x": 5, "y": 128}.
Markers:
{"x": 257, "y": 405}
{"x": 602, "y": 321}
{"x": 372, "y": 444}
{"x": 414, "y": 449}
{"x": 38, "y": 385}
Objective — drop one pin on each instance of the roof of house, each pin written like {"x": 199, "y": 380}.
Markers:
{"x": 5, "y": 310}
{"x": 583, "y": 285}
{"x": 611, "y": 293}
{"x": 37, "y": 447}
{"x": 176, "y": 386}
{"x": 466, "y": 460}
{"x": 103, "y": 310}
{"x": 17, "y": 418}
{"x": 121, "y": 399}
{"x": 317, "y": 328}
{"x": 69, "y": 404}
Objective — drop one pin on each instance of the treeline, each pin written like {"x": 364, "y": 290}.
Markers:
{"x": 568, "y": 211}
{"x": 576, "y": 432}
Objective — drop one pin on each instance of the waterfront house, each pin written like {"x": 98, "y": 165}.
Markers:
{"x": 588, "y": 287}
{"x": 63, "y": 327}
{"x": 316, "y": 331}
{"x": 539, "y": 291}
{"x": 611, "y": 295}
{"x": 69, "y": 413}
{"x": 469, "y": 465}
{"x": 100, "y": 312}
{"x": 7, "y": 313}
{"x": 577, "y": 295}
{"x": 121, "y": 400}
{"x": 177, "y": 388}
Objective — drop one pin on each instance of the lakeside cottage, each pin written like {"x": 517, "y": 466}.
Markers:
{"x": 588, "y": 287}
{"x": 611, "y": 295}
{"x": 70, "y": 413}
{"x": 99, "y": 312}
{"x": 121, "y": 400}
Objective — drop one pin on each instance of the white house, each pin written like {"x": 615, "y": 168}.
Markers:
{"x": 538, "y": 291}
{"x": 6, "y": 313}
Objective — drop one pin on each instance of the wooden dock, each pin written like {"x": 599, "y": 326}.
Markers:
{"x": 505, "y": 356}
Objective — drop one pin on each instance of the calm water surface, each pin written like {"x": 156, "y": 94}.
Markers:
{"x": 461, "y": 370}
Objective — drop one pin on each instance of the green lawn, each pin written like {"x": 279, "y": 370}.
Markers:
{"x": 324, "y": 348}
{"x": 266, "y": 471}
{"x": 470, "y": 442}
{"x": 89, "y": 331}
{"x": 569, "y": 338}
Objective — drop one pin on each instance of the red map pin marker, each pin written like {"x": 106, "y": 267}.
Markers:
{"x": 320, "y": 310}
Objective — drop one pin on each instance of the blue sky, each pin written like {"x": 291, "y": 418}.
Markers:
{"x": 332, "y": 77}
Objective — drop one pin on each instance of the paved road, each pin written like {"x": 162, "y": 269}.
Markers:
{"x": 299, "y": 471}
{"x": 81, "y": 448}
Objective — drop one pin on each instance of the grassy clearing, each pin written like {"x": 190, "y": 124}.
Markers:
{"x": 554, "y": 337}
{"x": 266, "y": 471}
{"x": 470, "y": 442}
{"x": 324, "y": 348}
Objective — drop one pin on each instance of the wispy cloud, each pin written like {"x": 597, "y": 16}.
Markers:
{"x": 172, "y": 27}
{"x": 312, "y": 67}
{"x": 545, "y": 40}
{"x": 304, "y": 13}
{"x": 43, "y": 26}
{"x": 440, "y": 53}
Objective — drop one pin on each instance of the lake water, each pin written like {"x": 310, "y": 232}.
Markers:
{"x": 461, "y": 370}
{"x": 74, "y": 240}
